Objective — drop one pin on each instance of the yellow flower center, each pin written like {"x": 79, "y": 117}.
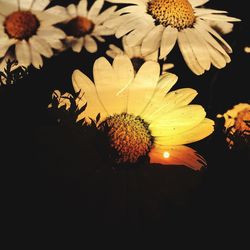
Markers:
{"x": 241, "y": 121}
{"x": 79, "y": 26}
{"x": 128, "y": 137}
{"x": 21, "y": 25}
{"x": 176, "y": 13}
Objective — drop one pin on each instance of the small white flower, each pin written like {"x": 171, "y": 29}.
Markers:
{"x": 83, "y": 25}
{"x": 135, "y": 55}
{"x": 26, "y": 25}
{"x": 160, "y": 24}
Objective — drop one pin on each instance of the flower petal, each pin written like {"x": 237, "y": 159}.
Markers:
{"x": 90, "y": 44}
{"x": 95, "y": 9}
{"x": 168, "y": 41}
{"x": 199, "y": 132}
{"x": 8, "y": 6}
{"x": 39, "y": 5}
{"x": 23, "y": 53}
{"x": 112, "y": 82}
{"x": 142, "y": 88}
{"x": 86, "y": 87}
{"x": 177, "y": 121}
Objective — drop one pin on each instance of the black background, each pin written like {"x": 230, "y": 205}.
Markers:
{"x": 55, "y": 181}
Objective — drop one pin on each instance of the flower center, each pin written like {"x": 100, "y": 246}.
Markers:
{"x": 242, "y": 121}
{"x": 176, "y": 13}
{"x": 21, "y": 25}
{"x": 128, "y": 137}
{"x": 79, "y": 26}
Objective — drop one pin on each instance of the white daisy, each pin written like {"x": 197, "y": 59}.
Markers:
{"x": 134, "y": 53}
{"x": 83, "y": 25}
{"x": 26, "y": 25}
{"x": 159, "y": 24}
{"x": 138, "y": 114}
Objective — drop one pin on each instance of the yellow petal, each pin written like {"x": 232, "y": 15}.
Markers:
{"x": 199, "y": 132}
{"x": 142, "y": 88}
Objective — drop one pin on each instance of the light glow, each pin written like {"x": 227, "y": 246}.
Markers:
{"x": 166, "y": 154}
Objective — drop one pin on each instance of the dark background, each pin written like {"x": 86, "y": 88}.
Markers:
{"x": 55, "y": 181}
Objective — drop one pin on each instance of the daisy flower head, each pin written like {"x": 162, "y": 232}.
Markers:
{"x": 160, "y": 24}
{"x": 83, "y": 25}
{"x": 138, "y": 114}
{"x": 29, "y": 28}
{"x": 237, "y": 122}
{"x": 135, "y": 55}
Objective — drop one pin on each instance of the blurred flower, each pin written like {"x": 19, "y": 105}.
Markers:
{"x": 247, "y": 49}
{"x": 237, "y": 122}
{"x": 26, "y": 25}
{"x": 83, "y": 25}
{"x": 159, "y": 24}
{"x": 134, "y": 53}
{"x": 138, "y": 115}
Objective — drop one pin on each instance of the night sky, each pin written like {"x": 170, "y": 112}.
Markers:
{"x": 56, "y": 180}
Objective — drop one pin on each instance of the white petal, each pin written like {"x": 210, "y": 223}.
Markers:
{"x": 199, "y": 132}
{"x": 82, "y": 8}
{"x": 22, "y": 51}
{"x": 77, "y": 45}
{"x": 177, "y": 155}
{"x": 142, "y": 88}
{"x": 138, "y": 2}
{"x": 220, "y": 18}
{"x": 53, "y": 15}
{"x": 95, "y": 9}
{"x": 196, "y": 3}
{"x": 209, "y": 38}
{"x": 199, "y": 48}
{"x": 41, "y": 46}
{"x": 5, "y": 44}
{"x": 152, "y": 41}
{"x": 90, "y": 44}
{"x": 188, "y": 54}
{"x": 8, "y": 6}
{"x": 168, "y": 41}
{"x": 86, "y": 87}
{"x": 214, "y": 33}
{"x": 25, "y": 4}
{"x": 216, "y": 57}
{"x": 39, "y": 5}
{"x": 51, "y": 32}
{"x": 112, "y": 83}
{"x": 200, "y": 11}
{"x": 130, "y": 25}
{"x": 105, "y": 15}
{"x": 36, "y": 59}
{"x": 136, "y": 37}
{"x": 72, "y": 10}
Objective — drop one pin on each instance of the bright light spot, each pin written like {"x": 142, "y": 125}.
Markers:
{"x": 166, "y": 154}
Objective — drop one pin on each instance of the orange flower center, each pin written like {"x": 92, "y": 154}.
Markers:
{"x": 79, "y": 26}
{"x": 21, "y": 25}
{"x": 128, "y": 137}
{"x": 242, "y": 121}
{"x": 176, "y": 13}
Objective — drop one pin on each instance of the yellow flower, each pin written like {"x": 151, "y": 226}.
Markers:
{"x": 140, "y": 115}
